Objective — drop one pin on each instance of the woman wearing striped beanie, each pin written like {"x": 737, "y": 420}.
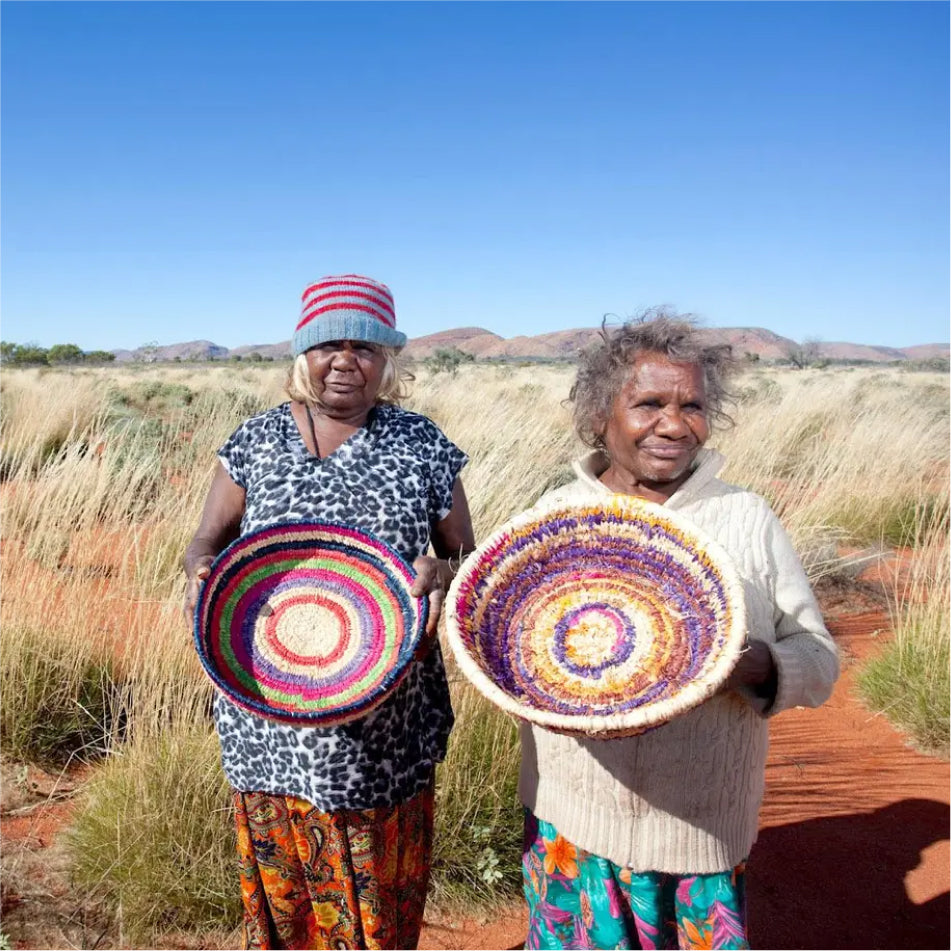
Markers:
{"x": 335, "y": 825}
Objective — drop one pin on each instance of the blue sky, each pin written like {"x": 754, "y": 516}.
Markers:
{"x": 179, "y": 171}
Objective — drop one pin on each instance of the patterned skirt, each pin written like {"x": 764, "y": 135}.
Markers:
{"x": 579, "y": 900}
{"x": 345, "y": 879}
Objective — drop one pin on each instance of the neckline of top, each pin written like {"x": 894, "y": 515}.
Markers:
{"x": 293, "y": 430}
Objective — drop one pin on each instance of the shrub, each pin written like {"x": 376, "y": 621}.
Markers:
{"x": 153, "y": 836}
{"x": 448, "y": 360}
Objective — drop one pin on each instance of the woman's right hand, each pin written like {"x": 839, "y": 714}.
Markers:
{"x": 200, "y": 569}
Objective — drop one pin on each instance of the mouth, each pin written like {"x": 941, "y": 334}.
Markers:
{"x": 667, "y": 451}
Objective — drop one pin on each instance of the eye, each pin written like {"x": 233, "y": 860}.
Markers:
{"x": 647, "y": 404}
{"x": 693, "y": 407}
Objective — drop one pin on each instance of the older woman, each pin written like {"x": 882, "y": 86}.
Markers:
{"x": 641, "y": 842}
{"x": 335, "y": 825}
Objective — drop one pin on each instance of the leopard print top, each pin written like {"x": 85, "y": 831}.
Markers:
{"x": 394, "y": 478}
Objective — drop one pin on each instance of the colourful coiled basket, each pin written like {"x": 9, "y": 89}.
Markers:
{"x": 310, "y": 623}
{"x": 604, "y": 619}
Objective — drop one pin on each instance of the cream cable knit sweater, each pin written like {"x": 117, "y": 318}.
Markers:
{"x": 684, "y": 798}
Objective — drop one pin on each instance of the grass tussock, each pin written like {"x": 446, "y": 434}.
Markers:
{"x": 102, "y": 487}
{"x": 60, "y": 704}
{"x": 154, "y": 837}
{"x": 910, "y": 681}
{"x": 478, "y": 817}
{"x": 855, "y": 456}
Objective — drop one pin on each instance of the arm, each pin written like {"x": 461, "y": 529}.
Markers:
{"x": 219, "y": 526}
{"x": 452, "y": 540}
{"x": 799, "y": 666}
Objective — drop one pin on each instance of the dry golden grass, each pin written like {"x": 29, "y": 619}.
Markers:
{"x": 910, "y": 681}
{"x": 104, "y": 473}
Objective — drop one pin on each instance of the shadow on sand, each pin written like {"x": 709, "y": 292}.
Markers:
{"x": 839, "y": 882}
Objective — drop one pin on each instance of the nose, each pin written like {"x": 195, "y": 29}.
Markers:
{"x": 344, "y": 358}
{"x": 672, "y": 423}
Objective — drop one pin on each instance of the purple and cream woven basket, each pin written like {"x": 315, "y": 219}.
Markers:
{"x": 603, "y": 619}
{"x": 310, "y": 623}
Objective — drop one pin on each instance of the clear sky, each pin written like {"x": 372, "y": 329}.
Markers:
{"x": 179, "y": 171}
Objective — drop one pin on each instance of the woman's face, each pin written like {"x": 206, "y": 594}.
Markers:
{"x": 346, "y": 374}
{"x": 657, "y": 424}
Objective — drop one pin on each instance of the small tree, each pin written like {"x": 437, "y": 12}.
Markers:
{"x": 99, "y": 356}
{"x": 805, "y": 354}
{"x": 29, "y": 353}
{"x": 448, "y": 360}
{"x": 148, "y": 352}
{"x": 65, "y": 353}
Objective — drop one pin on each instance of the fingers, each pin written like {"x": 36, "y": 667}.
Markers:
{"x": 193, "y": 588}
{"x": 428, "y": 582}
{"x": 427, "y": 576}
{"x": 436, "y": 599}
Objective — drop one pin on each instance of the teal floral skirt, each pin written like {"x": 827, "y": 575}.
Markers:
{"x": 579, "y": 900}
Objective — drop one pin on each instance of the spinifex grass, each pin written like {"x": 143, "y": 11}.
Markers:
{"x": 478, "y": 817}
{"x": 855, "y": 454}
{"x": 154, "y": 836}
{"x": 104, "y": 486}
{"x": 909, "y": 681}
{"x": 61, "y": 703}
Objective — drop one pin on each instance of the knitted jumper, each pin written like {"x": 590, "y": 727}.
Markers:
{"x": 684, "y": 798}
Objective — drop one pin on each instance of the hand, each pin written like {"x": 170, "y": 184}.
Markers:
{"x": 754, "y": 669}
{"x": 200, "y": 569}
{"x": 429, "y": 582}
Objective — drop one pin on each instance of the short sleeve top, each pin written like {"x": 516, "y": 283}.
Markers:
{"x": 393, "y": 478}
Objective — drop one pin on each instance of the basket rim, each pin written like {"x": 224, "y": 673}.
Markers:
{"x": 399, "y": 570}
{"x": 638, "y": 719}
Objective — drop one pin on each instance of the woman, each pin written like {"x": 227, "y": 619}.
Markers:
{"x": 641, "y": 842}
{"x": 335, "y": 825}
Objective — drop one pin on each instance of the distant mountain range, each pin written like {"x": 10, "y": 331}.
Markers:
{"x": 560, "y": 345}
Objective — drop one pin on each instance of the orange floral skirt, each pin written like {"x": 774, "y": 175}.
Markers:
{"x": 345, "y": 879}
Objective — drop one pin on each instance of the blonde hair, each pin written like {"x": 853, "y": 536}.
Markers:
{"x": 393, "y": 387}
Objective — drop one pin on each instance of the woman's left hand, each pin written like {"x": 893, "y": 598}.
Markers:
{"x": 755, "y": 668}
{"x": 429, "y": 582}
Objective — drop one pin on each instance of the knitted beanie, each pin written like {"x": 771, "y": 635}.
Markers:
{"x": 347, "y": 307}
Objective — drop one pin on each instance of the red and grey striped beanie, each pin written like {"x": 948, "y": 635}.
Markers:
{"x": 347, "y": 307}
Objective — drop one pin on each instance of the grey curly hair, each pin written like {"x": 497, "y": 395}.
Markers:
{"x": 604, "y": 367}
{"x": 394, "y": 387}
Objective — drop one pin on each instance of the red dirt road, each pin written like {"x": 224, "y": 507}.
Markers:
{"x": 853, "y": 848}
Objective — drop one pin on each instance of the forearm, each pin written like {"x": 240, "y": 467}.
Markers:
{"x": 220, "y": 522}
{"x": 804, "y": 654}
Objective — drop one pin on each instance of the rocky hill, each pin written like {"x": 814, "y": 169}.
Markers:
{"x": 559, "y": 345}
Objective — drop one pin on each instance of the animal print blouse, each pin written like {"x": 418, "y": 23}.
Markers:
{"x": 394, "y": 478}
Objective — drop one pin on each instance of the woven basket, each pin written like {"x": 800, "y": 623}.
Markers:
{"x": 603, "y": 619}
{"x": 310, "y": 623}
